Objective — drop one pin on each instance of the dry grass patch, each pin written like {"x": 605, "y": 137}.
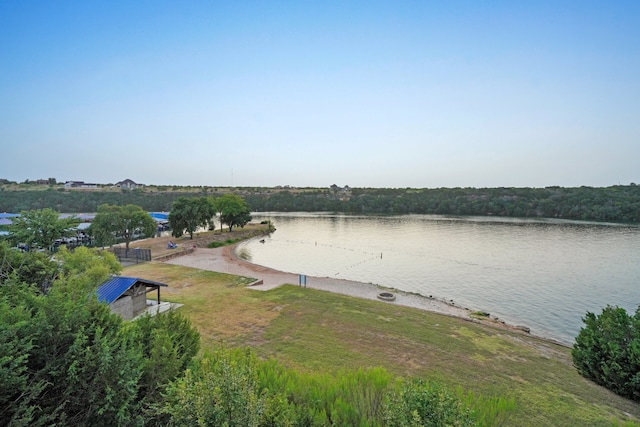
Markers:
{"x": 218, "y": 304}
{"x": 158, "y": 245}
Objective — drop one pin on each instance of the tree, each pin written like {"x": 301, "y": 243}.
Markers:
{"x": 40, "y": 228}
{"x": 234, "y": 211}
{"x": 607, "y": 351}
{"x": 88, "y": 266}
{"x": 121, "y": 222}
{"x": 188, "y": 214}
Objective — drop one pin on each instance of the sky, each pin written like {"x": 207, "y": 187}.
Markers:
{"x": 420, "y": 94}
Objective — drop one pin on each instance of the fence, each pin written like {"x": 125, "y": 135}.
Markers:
{"x": 132, "y": 256}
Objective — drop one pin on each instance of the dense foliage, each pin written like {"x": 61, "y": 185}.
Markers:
{"x": 607, "y": 351}
{"x": 233, "y": 388}
{"x": 619, "y": 203}
{"x": 84, "y": 201}
{"x": 65, "y": 359}
{"x": 422, "y": 404}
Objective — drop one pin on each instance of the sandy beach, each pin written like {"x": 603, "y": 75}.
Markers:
{"x": 224, "y": 260}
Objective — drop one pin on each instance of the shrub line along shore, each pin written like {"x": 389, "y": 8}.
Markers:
{"x": 225, "y": 260}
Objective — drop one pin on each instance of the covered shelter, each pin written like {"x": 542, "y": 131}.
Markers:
{"x": 127, "y": 296}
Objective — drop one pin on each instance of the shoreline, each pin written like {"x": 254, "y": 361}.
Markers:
{"x": 225, "y": 260}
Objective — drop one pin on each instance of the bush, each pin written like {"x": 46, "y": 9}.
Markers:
{"x": 420, "y": 403}
{"x": 607, "y": 351}
{"x": 218, "y": 390}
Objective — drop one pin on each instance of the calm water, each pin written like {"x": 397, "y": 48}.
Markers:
{"x": 542, "y": 274}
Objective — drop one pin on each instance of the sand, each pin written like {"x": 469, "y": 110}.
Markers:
{"x": 224, "y": 260}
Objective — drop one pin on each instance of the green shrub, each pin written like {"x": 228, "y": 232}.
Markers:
{"x": 607, "y": 351}
{"x": 234, "y": 388}
{"x": 227, "y": 242}
{"x": 219, "y": 390}
{"x": 420, "y": 403}
{"x": 346, "y": 398}
{"x": 488, "y": 411}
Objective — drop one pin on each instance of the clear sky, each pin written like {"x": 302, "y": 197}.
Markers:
{"x": 313, "y": 93}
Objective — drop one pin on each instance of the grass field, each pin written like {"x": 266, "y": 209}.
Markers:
{"x": 316, "y": 331}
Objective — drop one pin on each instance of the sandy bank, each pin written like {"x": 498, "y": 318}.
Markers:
{"x": 224, "y": 260}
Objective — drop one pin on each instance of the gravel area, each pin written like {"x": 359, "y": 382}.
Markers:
{"x": 224, "y": 260}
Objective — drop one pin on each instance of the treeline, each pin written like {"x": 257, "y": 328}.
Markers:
{"x": 84, "y": 201}
{"x": 617, "y": 203}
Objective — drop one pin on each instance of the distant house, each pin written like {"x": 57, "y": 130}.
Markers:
{"x": 79, "y": 184}
{"x": 127, "y": 296}
{"x": 128, "y": 184}
{"x": 344, "y": 189}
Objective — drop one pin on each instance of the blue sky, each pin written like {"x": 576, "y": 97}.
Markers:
{"x": 312, "y": 93}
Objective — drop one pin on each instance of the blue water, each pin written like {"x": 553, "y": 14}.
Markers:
{"x": 545, "y": 274}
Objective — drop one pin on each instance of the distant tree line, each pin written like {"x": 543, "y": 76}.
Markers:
{"x": 86, "y": 200}
{"x": 617, "y": 203}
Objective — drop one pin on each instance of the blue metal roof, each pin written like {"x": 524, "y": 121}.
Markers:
{"x": 161, "y": 216}
{"x": 112, "y": 289}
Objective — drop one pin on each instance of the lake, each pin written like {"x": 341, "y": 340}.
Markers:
{"x": 545, "y": 274}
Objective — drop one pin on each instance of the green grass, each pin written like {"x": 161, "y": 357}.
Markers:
{"x": 224, "y": 243}
{"x": 319, "y": 332}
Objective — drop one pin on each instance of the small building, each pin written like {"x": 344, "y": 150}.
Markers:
{"x": 127, "y": 296}
{"x": 79, "y": 184}
{"x": 128, "y": 184}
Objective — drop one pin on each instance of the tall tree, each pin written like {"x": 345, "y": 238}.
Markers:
{"x": 234, "y": 211}
{"x": 188, "y": 214}
{"x": 121, "y": 222}
{"x": 40, "y": 228}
